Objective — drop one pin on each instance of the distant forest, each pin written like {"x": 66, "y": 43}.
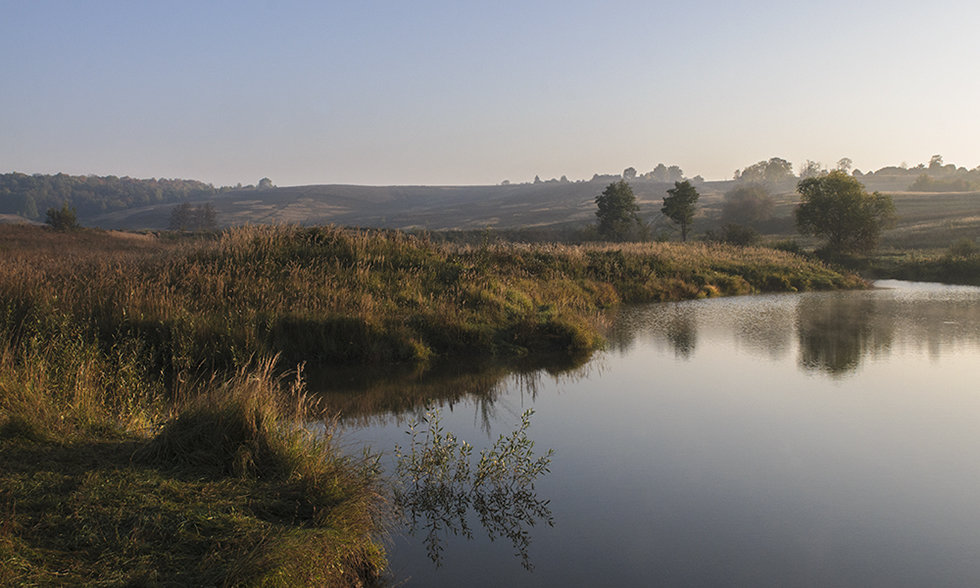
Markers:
{"x": 31, "y": 195}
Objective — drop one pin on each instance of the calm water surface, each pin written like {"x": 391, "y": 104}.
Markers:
{"x": 788, "y": 440}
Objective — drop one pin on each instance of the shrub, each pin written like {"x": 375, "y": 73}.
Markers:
{"x": 63, "y": 219}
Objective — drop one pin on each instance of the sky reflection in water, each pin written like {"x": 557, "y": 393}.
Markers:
{"x": 817, "y": 439}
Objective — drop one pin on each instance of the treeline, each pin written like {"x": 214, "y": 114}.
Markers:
{"x": 779, "y": 174}
{"x": 31, "y": 195}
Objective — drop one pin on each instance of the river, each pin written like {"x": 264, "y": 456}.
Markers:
{"x": 784, "y": 440}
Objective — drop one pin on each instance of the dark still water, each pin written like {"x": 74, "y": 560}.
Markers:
{"x": 790, "y": 440}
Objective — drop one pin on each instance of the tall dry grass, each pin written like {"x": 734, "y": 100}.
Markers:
{"x": 326, "y": 294}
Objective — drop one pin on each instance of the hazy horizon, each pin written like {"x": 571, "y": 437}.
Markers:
{"x": 439, "y": 93}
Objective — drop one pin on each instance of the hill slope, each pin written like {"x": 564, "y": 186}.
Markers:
{"x": 404, "y": 207}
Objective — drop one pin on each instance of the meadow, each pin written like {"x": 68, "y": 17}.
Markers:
{"x": 147, "y": 430}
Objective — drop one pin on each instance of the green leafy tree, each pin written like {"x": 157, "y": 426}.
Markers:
{"x": 63, "y": 219}
{"x": 681, "y": 205}
{"x": 617, "y": 212}
{"x": 838, "y": 208}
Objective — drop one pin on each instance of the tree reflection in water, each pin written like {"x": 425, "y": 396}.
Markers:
{"x": 836, "y": 332}
{"x": 438, "y": 487}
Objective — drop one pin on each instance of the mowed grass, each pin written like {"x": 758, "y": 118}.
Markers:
{"x": 145, "y": 441}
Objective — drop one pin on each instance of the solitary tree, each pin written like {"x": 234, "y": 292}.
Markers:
{"x": 617, "y": 211}
{"x": 837, "y": 208}
{"x": 681, "y": 205}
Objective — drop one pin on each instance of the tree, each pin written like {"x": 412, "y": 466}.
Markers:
{"x": 845, "y": 164}
{"x": 617, "y": 211}
{"x": 181, "y": 217}
{"x": 63, "y": 219}
{"x": 772, "y": 172}
{"x": 681, "y": 205}
{"x": 838, "y": 208}
{"x": 811, "y": 169}
{"x": 747, "y": 204}
{"x": 208, "y": 218}
{"x": 629, "y": 173}
{"x": 30, "y": 207}
{"x": 265, "y": 184}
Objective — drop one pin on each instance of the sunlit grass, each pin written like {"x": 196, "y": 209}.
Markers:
{"x": 326, "y": 294}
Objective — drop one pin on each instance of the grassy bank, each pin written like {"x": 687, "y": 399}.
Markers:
{"x": 130, "y": 459}
{"x": 103, "y": 485}
{"x": 324, "y": 294}
{"x": 926, "y": 266}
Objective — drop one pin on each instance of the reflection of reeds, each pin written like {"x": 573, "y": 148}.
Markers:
{"x": 364, "y": 399}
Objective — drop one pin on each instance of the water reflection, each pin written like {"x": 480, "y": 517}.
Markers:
{"x": 364, "y": 397}
{"x": 675, "y": 324}
{"x": 806, "y": 439}
{"x": 438, "y": 487}
{"x": 682, "y": 332}
{"x": 836, "y": 332}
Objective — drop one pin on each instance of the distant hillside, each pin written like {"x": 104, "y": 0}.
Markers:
{"x": 405, "y": 207}
{"x": 934, "y": 213}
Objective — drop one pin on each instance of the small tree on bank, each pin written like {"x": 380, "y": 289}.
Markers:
{"x": 617, "y": 213}
{"x": 681, "y": 205}
{"x": 838, "y": 208}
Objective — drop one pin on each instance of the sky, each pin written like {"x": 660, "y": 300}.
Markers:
{"x": 473, "y": 92}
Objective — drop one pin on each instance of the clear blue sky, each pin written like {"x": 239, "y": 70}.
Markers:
{"x": 463, "y": 92}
